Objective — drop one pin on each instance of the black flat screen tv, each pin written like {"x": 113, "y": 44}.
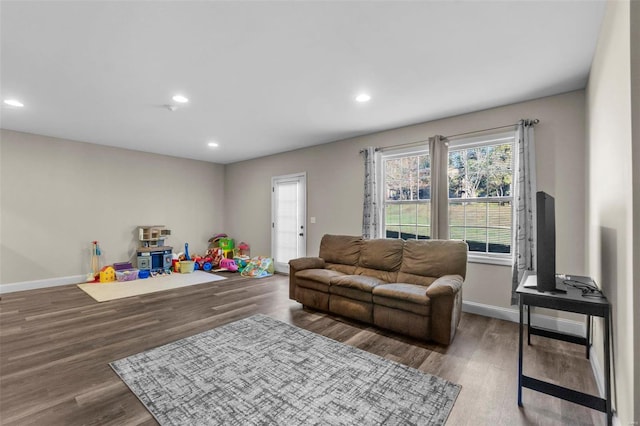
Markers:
{"x": 546, "y": 243}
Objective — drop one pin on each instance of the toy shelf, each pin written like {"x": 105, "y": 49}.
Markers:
{"x": 153, "y": 235}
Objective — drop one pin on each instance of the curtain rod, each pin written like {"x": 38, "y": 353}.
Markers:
{"x": 534, "y": 121}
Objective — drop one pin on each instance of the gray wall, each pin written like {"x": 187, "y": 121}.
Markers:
{"x": 335, "y": 180}
{"x": 612, "y": 190}
{"x": 59, "y": 195}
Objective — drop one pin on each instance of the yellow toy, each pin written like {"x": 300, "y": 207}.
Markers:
{"x": 107, "y": 274}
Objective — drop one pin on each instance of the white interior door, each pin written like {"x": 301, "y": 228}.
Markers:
{"x": 288, "y": 219}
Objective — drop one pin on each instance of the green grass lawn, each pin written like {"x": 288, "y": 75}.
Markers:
{"x": 485, "y": 222}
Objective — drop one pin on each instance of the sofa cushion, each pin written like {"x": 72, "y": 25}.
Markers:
{"x": 434, "y": 258}
{"x": 384, "y": 254}
{"x": 386, "y": 276}
{"x": 345, "y": 269}
{"x": 316, "y": 279}
{"x": 357, "y": 282}
{"x": 356, "y": 287}
{"x": 403, "y": 277}
{"x": 403, "y": 296}
{"x": 343, "y": 249}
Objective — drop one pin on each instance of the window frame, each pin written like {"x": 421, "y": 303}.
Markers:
{"x": 494, "y": 138}
{"x": 381, "y": 175}
{"x": 505, "y": 259}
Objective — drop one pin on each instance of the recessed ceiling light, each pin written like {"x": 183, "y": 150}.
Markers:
{"x": 213, "y": 144}
{"x": 363, "y": 97}
{"x": 180, "y": 98}
{"x": 13, "y": 102}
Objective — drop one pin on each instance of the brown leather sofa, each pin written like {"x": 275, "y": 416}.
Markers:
{"x": 411, "y": 287}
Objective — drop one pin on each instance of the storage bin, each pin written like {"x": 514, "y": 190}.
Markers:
{"x": 186, "y": 266}
{"x": 127, "y": 275}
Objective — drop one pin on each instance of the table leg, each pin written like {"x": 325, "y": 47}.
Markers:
{"x": 520, "y": 355}
{"x": 607, "y": 369}
{"x": 528, "y": 325}
{"x": 588, "y": 334}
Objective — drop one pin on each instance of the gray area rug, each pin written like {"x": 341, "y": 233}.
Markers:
{"x": 260, "y": 371}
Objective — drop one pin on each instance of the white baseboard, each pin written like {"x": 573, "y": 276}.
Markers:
{"x": 513, "y": 315}
{"x": 49, "y": 282}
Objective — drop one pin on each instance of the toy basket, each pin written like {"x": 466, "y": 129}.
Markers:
{"x": 127, "y": 275}
{"x": 186, "y": 266}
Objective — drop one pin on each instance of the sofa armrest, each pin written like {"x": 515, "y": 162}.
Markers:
{"x": 446, "y": 285}
{"x": 301, "y": 264}
{"x": 446, "y": 307}
{"x": 307, "y": 263}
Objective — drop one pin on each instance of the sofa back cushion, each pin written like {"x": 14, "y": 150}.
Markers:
{"x": 383, "y": 254}
{"x": 340, "y": 249}
{"x": 434, "y": 258}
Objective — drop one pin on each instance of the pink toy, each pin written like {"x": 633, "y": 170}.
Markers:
{"x": 229, "y": 265}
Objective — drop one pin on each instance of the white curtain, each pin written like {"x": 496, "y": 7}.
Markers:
{"x": 524, "y": 188}
{"x": 370, "y": 207}
{"x": 439, "y": 154}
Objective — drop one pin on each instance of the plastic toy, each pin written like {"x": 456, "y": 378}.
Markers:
{"x": 186, "y": 252}
{"x": 227, "y": 245}
{"x": 127, "y": 275}
{"x": 94, "y": 275}
{"x": 107, "y": 274}
{"x": 243, "y": 249}
{"x": 214, "y": 241}
{"x": 203, "y": 263}
{"x": 259, "y": 267}
{"x": 229, "y": 265}
{"x": 215, "y": 254}
{"x": 242, "y": 262}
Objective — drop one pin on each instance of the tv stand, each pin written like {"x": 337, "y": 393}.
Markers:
{"x": 571, "y": 301}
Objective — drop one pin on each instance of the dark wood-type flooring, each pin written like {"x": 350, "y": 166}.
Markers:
{"x": 56, "y": 343}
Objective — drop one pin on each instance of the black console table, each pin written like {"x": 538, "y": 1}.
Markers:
{"x": 571, "y": 301}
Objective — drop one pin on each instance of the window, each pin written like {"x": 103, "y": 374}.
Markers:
{"x": 480, "y": 194}
{"x": 480, "y": 175}
{"x": 407, "y": 195}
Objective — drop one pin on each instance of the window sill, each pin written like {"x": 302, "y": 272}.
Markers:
{"x": 475, "y": 257}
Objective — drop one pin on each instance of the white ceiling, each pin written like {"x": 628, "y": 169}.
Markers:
{"x": 267, "y": 77}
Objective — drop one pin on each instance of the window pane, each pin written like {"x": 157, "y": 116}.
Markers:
{"x": 392, "y": 232}
{"x": 393, "y": 178}
{"x": 408, "y": 214}
{"x": 424, "y": 214}
{"x": 499, "y": 214}
{"x": 408, "y": 232}
{"x": 423, "y": 232}
{"x": 477, "y": 239}
{"x": 410, "y": 174}
{"x": 456, "y": 173}
{"x": 456, "y": 232}
{"x": 424, "y": 175}
{"x": 476, "y": 214}
{"x": 499, "y": 240}
{"x": 500, "y": 171}
{"x": 499, "y": 223}
{"x": 456, "y": 214}
{"x": 392, "y": 212}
